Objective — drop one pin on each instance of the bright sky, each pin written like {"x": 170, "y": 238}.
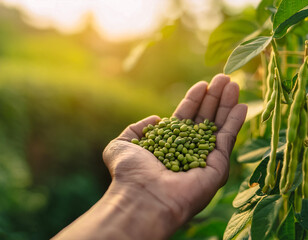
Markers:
{"x": 116, "y": 19}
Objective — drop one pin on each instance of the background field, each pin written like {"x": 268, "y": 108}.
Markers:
{"x": 63, "y": 97}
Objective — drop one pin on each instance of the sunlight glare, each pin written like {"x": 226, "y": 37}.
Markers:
{"x": 116, "y": 20}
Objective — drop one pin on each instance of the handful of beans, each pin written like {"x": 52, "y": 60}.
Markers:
{"x": 179, "y": 144}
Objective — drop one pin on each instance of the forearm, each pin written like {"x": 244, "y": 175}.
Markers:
{"x": 124, "y": 212}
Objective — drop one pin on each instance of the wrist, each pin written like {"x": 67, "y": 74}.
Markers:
{"x": 136, "y": 213}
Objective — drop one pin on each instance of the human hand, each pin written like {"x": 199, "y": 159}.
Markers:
{"x": 184, "y": 194}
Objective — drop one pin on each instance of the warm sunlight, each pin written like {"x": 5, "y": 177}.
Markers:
{"x": 115, "y": 19}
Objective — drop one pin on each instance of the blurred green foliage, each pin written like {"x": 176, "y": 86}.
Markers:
{"x": 64, "y": 97}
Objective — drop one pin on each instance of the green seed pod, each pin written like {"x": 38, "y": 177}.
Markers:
{"x": 162, "y": 124}
{"x": 292, "y": 165}
{"x": 208, "y": 132}
{"x": 298, "y": 199}
{"x": 270, "y": 77}
{"x": 271, "y": 166}
{"x": 302, "y": 131}
{"x": 194, "y": 164}
{"x": 176, "y": 131}
{"x": 192, "y": 146}
{"x": 168, "y": 165}
{"x": 184, "y": 150}
{"x": 213, "y": 128}
{"x": 186, "y": 167}
{"x": 170, "y": 139}
{"x": 151, "y": 142}
{"x": 160, "y": 131}
{"x": 189, "y": 121}
{"x": 191, "y": 152}
{"x": 195, "y": 159}
{"x": 285, "y": 166}
{"x": 158, "y": 154}
{"x": 299, "y": 98}
{"x": 135, "y": 141}
{"x": 183, "y": 128}
{"x": 180, "y": 147}
{"x": 183, "y": 134}
{"x": 175, "y": 126}
{"x": 172, "y": 150}
{"x": 204, "y": 146}
{"x": 269, "y": 107}
{"x": 202, "y": 164}
{"x": 189, "y": 157}
{"x": 180, "y": 157}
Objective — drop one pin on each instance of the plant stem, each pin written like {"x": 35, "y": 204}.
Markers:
{"x": 299, "y": 53}
{"x": 277, "y": 63}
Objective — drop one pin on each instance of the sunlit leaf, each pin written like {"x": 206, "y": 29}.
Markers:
{"x": 282, "y": 29}
{"x": 245, "y": 52}
{"x": 243, "y": 197}
{"x": 254, "y": 109}
{"x": 264, "y": 217}
{"x": 253, "y": 150}
{"x": 286, "y": 9}
{"x": 259, "y": 173}
{"x": 286, "y": 230}
{"x": 225, "y": 37}
{"x": 237, "y": 222}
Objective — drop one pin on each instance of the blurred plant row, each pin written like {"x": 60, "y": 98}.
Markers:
{"x": 64, "y": 97}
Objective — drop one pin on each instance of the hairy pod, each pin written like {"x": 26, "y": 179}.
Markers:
{"x": 270, "y": 78}
{"x": 269, "y": 107}
{"x": 271, "y": 166}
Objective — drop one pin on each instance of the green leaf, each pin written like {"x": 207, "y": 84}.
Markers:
{"x": 286, "y": 9}
{"x": 289, "y": 84}
{"x": 286, "y": 230}
{"x": 225, "y": 38}
{"x": 282, "y": 29}
{"x": 253, "y": 151}
{"x": 303, "y": 216}
{"x": 262, "y": 10}
{"x": 237, "y": 222}
{"x": 212, "y": 227}
{"x": 245, "y": 52}
{"x": 264, "y": 217}
{"x": 243, "y": 197}
{"x": 259, "y": 173}
{"x": 299, "y": 231}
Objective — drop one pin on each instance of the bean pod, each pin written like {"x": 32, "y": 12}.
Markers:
{"x": 271, "y": 166}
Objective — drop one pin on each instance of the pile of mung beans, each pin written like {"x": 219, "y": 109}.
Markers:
{"x": 179, "y": 144}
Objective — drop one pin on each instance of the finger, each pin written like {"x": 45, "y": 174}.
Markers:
{"x": 215, "y": 174}
{"x": 227, "y": 134}
{"x": 228, "y": 100}
{"x": 188, "y": 107}
{"x": 212, "y": 98}
{"x": 135, "y": 130}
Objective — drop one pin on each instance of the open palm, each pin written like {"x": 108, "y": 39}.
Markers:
{"x": 184, "y": 193}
